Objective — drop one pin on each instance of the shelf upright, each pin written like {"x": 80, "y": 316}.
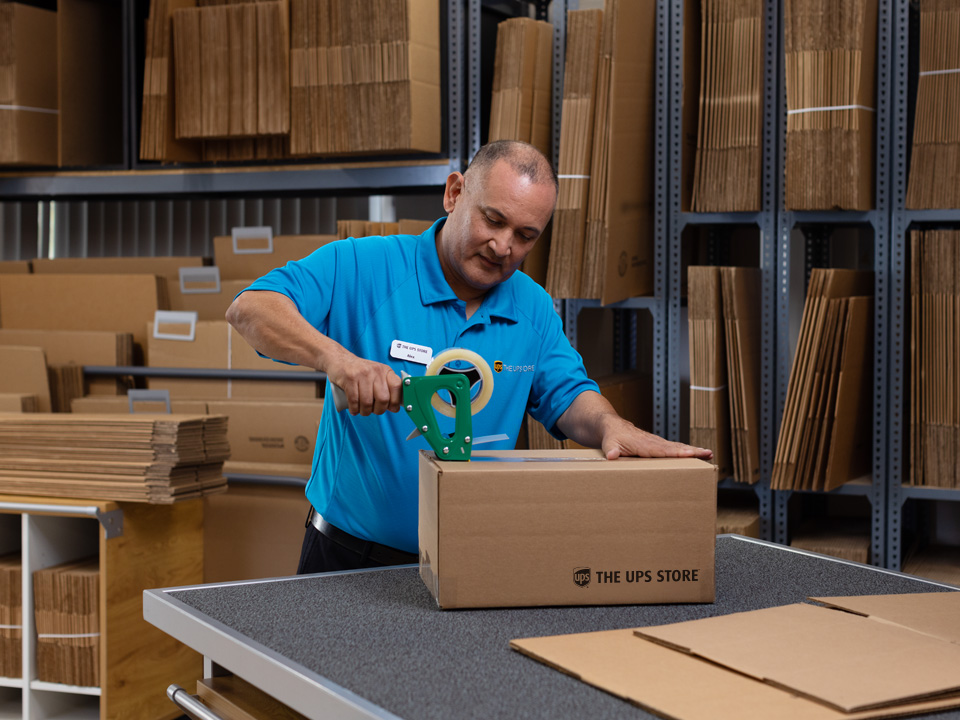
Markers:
{"x": 765, "y": 220}
{"x": 901, "y": 220}
{"x": 879, "y": 220}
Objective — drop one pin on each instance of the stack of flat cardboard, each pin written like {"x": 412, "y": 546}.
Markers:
{"x": 520, "y": 106}
{"x": 935, "y": 162}
{"x": 618, "y": 250}
{"x": 565, "y": 263}
{"x": 11, "y": 618}
{"x": 19, "y": 402}
{"x": 232, "y": 70}
{"x": 935, "y": 358}
{"x": 830, "y": 54}
{"x": 728, "y": 157}
{"x": 66, "y": 600}
{"x": 824, "y": 440}
{"x": 158, "y": 139}
{"x": 365, "y": 77}
{"x": 234, "y": 698}
{"x": 841, "y": 662}
{"x": 709, "y": 390}
{"x": 28, "y": 85}
{"x": 849, "y": 541}
{"x": 738, "y": 520}
{"x": 25, "y": 371}
{"x": 139, "y": 458}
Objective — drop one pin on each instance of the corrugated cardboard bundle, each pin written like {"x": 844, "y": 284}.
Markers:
{"x": 11, "y": 616}
{"x": 66, "y": 600}
{"x": 935, "y": 158}
{"x": 728, "y": 158}
{"x": 520, "y": 106}
{"x": 566, "y": 527}
{"x": 830, "y": 54}
{"x": 825, "y": 435}
{"x": 934, "y": 358}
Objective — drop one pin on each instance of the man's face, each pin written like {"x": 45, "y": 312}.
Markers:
{"x": 492, "y": 224}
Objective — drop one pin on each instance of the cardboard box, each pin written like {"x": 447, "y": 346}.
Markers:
{"x": 115, "y": 303}
{"x": 796, "y": 662}
{"x": 14, "y": 267}
{"x": 168, "y": 267}
{"x": 252, "y": 257}
{"x": 253, "y": 531}
{"x": 208, "y": 299}
{"x": 566, "y": 527}
{"x": 28, "y": 95}
{"x": 25, "y": 371}
{"x": 216, "y": 345}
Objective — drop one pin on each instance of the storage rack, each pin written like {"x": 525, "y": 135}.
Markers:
{"x": 901, "y": 220}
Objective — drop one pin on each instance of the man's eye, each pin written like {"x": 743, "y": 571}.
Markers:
{"x": 491, "y": 220}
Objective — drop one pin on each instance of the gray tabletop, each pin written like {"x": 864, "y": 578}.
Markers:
{"x": 373, "y": 643}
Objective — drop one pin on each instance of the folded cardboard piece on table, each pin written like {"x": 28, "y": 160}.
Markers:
{"x": 517, "y": 528}
{"x": 852, "y": 657}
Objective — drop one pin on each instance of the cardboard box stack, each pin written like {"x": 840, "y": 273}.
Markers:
{"x": 830, "y": 58}
{"x": 365, "y": 77}
{"x": 565, "y": 263}
{"x": 934, "y": 358}
{"x": 66, "y": 601}
{"x": 232, "y": 70}
{"x": 845, "y": 543}
{"x": 838, "y": 665}
{"x": 136, "y": 458}
{"x": 935, "y": 158}
{"x": 520, "y": 107}
{"x": 824, "y": 440}
{"x": 11, "y": 618}
{"x": 568, "y": 528}
{"x": 728, "y": 157}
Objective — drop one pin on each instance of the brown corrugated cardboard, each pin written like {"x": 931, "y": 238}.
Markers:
{"x": 25, "y": 371}
{"x": 216, "y": 345}
{"x": 566, "y": 527}
{"x": 270, "y": 431}
{"x": 676, "y": 685}
{"x": 206, "y": 304}
{"x": 253, "y": 531}
{"x": 19, "y": 402}
{"x": 121, "y": 404}
{"x": 168, "y": 267}
{"x": 249, "y": 259}
{"x": 115, "y": 303}
{"x": 28, "y": 96}
{"x": 14, "y": 267}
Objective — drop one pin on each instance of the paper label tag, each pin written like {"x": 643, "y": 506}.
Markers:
{"x": 400, "y": 350}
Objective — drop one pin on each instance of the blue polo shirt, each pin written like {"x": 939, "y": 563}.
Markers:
{"x": 366, "y": 293}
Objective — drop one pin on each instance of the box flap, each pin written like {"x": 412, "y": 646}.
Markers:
{"x": 844, "y": 660}
{"x": 677, "y": 685}
{"x": 936, "y": 613}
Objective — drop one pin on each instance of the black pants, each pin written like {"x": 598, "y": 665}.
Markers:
{"x": 321, "y": 554}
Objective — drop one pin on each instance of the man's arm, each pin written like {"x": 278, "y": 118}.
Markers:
{"x": 591, "y": 421}
{"x": 271, "y": 323}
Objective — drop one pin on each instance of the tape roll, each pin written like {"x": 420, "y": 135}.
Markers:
{"x": 486, "y": 379}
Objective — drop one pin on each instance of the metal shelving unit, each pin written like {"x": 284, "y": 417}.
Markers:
{"x": 901, "y": 220}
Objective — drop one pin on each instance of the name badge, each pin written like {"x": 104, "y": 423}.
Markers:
{"x": 400, "y": 350}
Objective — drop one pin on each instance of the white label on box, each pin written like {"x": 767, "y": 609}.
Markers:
{"x": 400, "y": 350}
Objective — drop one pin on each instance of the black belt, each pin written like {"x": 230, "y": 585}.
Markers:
{"x": 383, "y": 554}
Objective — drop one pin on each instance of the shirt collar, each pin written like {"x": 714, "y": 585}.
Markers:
{"x": 500, "y": 300}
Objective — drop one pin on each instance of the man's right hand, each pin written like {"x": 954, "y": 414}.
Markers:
{"x": 370, "y": 388}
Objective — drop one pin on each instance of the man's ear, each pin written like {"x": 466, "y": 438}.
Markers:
{"x": 452, "y": 191}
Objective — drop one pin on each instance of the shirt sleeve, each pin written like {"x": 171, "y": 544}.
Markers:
{"x": 560, "y": 376}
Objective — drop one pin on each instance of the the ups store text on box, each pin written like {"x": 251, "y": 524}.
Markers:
{"x": 524, "y": 528}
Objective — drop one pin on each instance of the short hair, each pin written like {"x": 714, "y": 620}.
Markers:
{"x": 524, "y": 158}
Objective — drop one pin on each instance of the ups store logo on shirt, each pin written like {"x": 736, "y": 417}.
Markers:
{"x": 581, "y": 577}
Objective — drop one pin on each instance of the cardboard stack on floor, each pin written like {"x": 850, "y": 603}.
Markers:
{"x": 824, "y": 441}
{"x": 728, "y": 157}
{"x": 564, "y": 266}
{"x": 155, "y": 459}
{"x": 830, "y": 59}
{"x": 935, "y": 358}
{"x": 11, "y": 617}
{"x": 520, "y": 107}
{"x": 935, "y": 155}
{"x": 66, "y": 601}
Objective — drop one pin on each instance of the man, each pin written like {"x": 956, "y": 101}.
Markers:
{"x": 364, "y": 310}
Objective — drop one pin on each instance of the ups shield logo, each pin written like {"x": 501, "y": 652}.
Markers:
{"x": 498, "y": 365}
{"x": 581, "y": 577}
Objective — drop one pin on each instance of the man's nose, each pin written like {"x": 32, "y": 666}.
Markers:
{"x": 501, "y": 242}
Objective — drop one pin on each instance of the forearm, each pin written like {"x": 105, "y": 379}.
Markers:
{"x": 587, "y": 418}
{"x": 272, "y": 325}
